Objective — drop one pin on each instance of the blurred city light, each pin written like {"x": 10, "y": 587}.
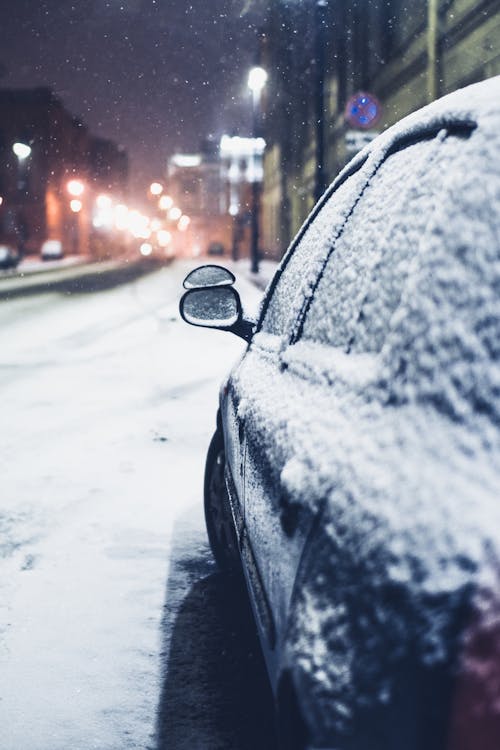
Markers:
{"x": 174, "y": 213}
{"x": 184, "y": 222}
{"x": 257, "y": 78}
{"x": 165, "y": 203}
{"x": 21, "y": 150}
{"x": 146, "y": 248}
{"x": 104, "y": 201}
{"x": 186, "y": 160}
{"x": 75, "y": 205}
{"x": 1, "y": 200}
{"x": 139, "y": 225}
{"x": 75, "y": 188}
{"x": 164, "y": 238}
{"x": 238, "y": 147}
{"x": 121, "y": 217}
{"x": 104, "y": 216}
{"x": 156, "y": 188}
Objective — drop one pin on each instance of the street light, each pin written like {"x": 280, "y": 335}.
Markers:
{"x": 156, "y": 188}
{"x": 76, "y": 206}
{"x": 165, "y": 202}
{"x": 75, "y": 188}
{"x": 257, "y": 79}
{"x": 21, "y": 150}
{"x": 175, "y": 213}
{"x": 183, "y": 223}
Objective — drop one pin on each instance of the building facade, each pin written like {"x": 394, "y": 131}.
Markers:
{"x": 36, "y": 205}
{"x": 319, "y": 53}
{"x": 194, "y": 182}
{"x": 214, "y": 189}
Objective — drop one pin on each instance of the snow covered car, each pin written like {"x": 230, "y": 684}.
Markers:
{"x": 52, "y": 250}
{"x": 355, "y": 470}
{"x": 9, "y": 257}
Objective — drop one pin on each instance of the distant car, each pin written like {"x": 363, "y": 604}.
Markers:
{"x": 215, "y": 248}
{"x": 355, "y": 470}
{"x": 9, "y": 257}
{"x": 52, "y": 250}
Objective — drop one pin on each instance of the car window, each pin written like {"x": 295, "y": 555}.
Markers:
{"x": 387, "y": 221}
{"x": 398, "y": 250}
{"x": 312, "y": 248}
{"x": 442, "y": 343}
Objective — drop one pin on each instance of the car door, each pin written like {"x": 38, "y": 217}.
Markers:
{"x": 262, "y": 414}
{"x": 301, "y": 362}
{"x": 234, "y": 445}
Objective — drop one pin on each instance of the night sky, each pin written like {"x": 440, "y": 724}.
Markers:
{"x": 154, "y": 75}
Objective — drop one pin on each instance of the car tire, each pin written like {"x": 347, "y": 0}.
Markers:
{"x": 290, "y": 727}
{"x": 218, "y": 516}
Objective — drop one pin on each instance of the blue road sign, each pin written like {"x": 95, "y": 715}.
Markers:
{"x": 363, "y": 110}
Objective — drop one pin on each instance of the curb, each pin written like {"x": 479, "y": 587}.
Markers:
{"x": 83, "y": 278}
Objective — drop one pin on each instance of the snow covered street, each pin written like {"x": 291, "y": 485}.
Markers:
{"x": 116, "y": 630}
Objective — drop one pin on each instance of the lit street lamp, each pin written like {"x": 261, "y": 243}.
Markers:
{"x": 165, "y": 202}
{"x": 257, "y": 79}
{"x": 76, "y": 189}
{"x": 22, "y": 151}
{"x": 175, "y": 213}
{"x": 76, "y": 206}
{"x": 156, "y": 188}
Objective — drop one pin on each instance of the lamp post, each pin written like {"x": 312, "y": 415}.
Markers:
{"x": 22, "y": 151}
{"x": 156, "y": 189}
{"x": 76, "y": 189}
{"x": 257, "y": 79}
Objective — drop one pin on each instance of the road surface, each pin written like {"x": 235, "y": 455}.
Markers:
{"x": 116, "y": 630}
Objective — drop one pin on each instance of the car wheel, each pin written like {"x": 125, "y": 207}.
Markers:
{"x": 218, "y": 517}
{"x": 291, "y": 728}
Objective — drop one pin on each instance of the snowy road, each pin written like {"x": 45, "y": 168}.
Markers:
{"x": 116, "y": 631}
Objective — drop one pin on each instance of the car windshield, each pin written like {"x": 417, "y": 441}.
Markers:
{"x": 140, "y": 140}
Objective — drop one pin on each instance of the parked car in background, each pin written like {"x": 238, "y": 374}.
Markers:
{"x": 354, "y": 474}
{"x": 9, "y": 257}
{"x": 52, "y": 250}
{"x": 215, "y": 248}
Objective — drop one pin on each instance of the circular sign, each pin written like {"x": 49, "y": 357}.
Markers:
{"x": 363, "y": 110}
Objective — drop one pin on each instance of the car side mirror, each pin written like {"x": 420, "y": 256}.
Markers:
{"x": 216, "y": 307}
{"x": 208, "y": 275}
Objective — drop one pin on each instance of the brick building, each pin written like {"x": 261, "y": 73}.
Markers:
{"x": 35, "y": 202}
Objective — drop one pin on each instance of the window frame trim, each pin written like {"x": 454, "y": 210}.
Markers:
{"x": 428, "y": 131}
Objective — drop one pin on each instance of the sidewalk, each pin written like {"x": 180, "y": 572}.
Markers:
{"x": 79, "y": 274}
{"x": 267, "y": 269}
{"x": 71, "y": 275}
